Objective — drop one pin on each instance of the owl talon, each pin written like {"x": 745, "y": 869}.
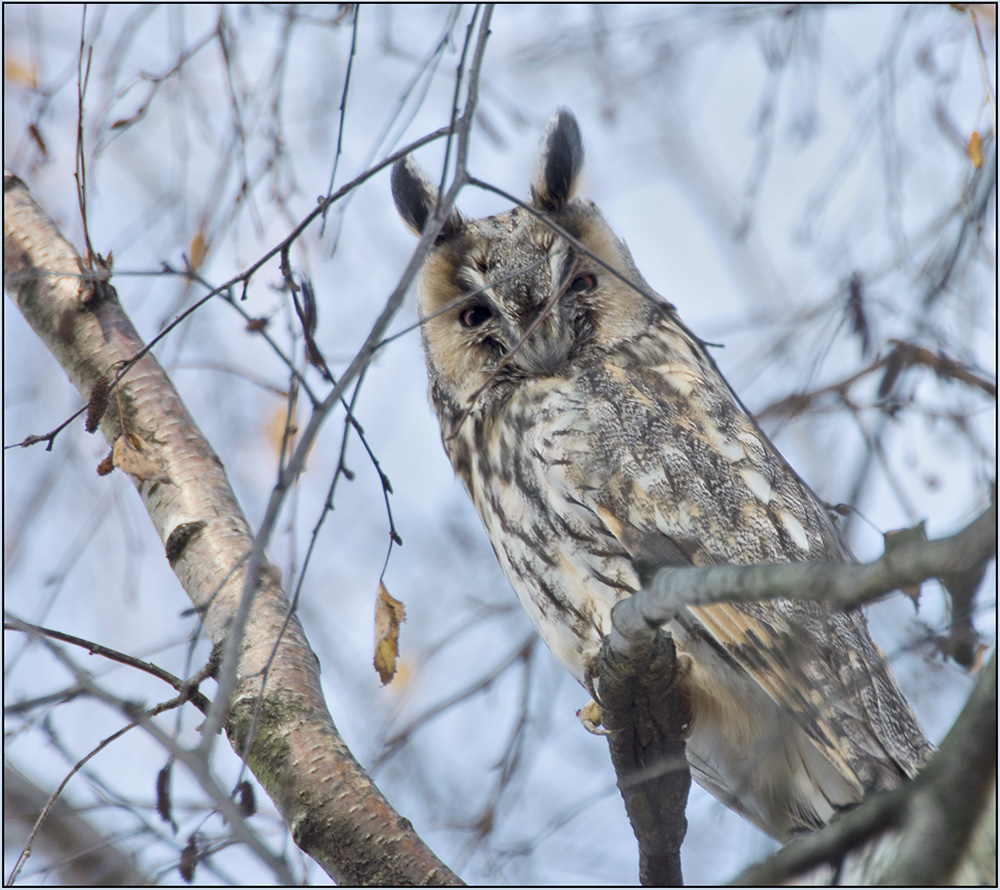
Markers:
{"x": 683, "y": 668}
{"x": 590, "y": 717}
{"x": 590, "y": 679}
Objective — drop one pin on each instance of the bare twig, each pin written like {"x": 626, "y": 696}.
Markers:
{"x": 187, "y": 688}
{"x": 907, "y": 562}
{"x": 903, "y": 355}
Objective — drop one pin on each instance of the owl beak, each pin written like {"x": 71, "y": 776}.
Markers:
{"x": 546, "y": 349}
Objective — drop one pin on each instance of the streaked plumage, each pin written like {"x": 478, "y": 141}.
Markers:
{"x": 605, "y": 435}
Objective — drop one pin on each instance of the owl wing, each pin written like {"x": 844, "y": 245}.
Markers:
{"x": 820, "y": 666}
{"x": 696, "y": 482}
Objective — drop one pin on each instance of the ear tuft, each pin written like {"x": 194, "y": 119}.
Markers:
{"x": 413, "y": 194}
{"x": 560, "y": 159}
{"x": 416, "y": 199}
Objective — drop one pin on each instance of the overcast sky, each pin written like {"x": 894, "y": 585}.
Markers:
{"x": 752, "y": 159}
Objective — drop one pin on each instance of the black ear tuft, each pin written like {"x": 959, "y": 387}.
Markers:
{"x": 412, "y": 193}
{"x": 560, "y": 159}
{"x": 416, "y": 198}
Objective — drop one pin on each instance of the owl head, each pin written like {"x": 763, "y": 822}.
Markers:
{"x": 535, "y": 292}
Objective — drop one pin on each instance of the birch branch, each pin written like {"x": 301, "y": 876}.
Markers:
{"x": 335, "y": 812}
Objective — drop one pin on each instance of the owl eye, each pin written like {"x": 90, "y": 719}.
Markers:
{"x": 474, "y": 316}
{"x": 583, "y": 283}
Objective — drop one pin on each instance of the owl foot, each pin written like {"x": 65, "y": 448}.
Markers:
{"x": 683, "y": 668}
{"x": 590, "y": 717}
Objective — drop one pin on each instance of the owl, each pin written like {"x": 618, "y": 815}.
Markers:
{"x": 594, "y": 433}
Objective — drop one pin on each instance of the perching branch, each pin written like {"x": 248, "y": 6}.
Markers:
{"x": 908, "y": 560}
{"x": 646, "y": 716}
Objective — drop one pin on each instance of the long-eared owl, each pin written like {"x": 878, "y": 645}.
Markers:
{"x": 593, "y": 431}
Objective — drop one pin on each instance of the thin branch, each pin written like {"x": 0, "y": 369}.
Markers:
{"x": 86, "y": 855}
{"x": 14, "y": 277}
{"x": 392, "y": 744}
{"x": 187, "y": 688}
{"x": 139, "y": 717}
{"x": 907, "y": 561}
{"x": 902, "y": 356}
{"x": 297, "y": 463}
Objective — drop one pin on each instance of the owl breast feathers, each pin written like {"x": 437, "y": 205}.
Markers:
{"x": 594, "y": 433}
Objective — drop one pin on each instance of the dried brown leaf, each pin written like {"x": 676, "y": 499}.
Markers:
{"x": 389, "y": 614}
{"x": 975, "y": 149}
{"x": 128, "y": 456}
{"x": 197, "y": 250}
